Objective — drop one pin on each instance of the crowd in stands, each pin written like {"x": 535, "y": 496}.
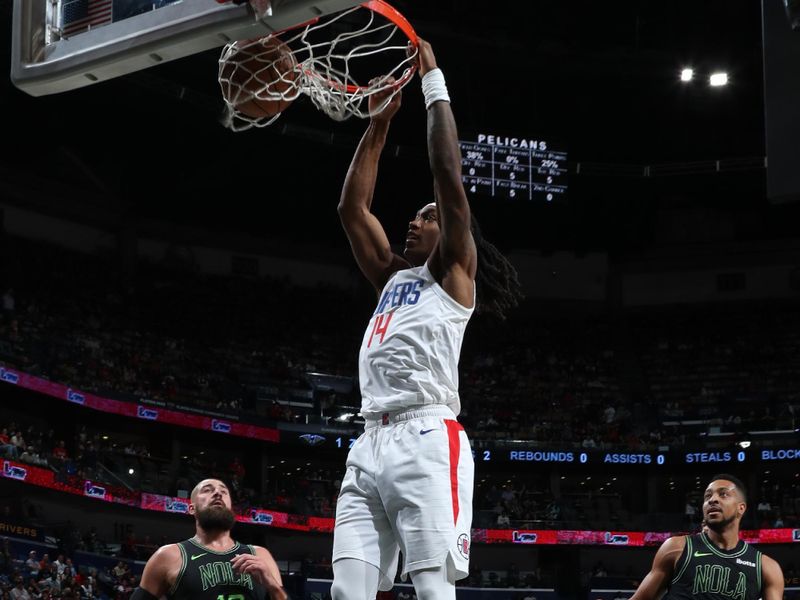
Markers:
{"x": 731, "y": 368}
{"x": 54, "y": 574}
{"x": 83, "y": 325}
{"x": 553, "y": 379}
{"x": 39, "y": 576}
{"x": 246, "y": 345}
{"x": 503, "y": 499}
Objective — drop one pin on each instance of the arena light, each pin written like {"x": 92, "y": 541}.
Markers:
{"x": 718, "y": 79}
{"x": 744, "y": 444}
{"x": 687, "y": 75}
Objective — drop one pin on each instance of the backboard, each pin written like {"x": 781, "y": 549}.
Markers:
{"x": 60, "y": 45}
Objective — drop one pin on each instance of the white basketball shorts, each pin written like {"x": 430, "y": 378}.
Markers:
{"x": 408, "y": 487}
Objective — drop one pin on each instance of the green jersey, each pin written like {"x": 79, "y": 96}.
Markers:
{"x": 208, "y": 575}
{"x": 704, "y": 572}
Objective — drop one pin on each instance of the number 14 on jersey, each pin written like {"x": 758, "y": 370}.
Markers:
{"x": 381, "y": 326}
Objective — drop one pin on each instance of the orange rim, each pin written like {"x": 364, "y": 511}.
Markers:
{"x": 391, "y": 14}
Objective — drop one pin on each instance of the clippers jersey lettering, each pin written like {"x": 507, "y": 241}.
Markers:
{"x": 208, "y": 575}
{"x": 410, "y": 351}
{"x": 707, "y": 573}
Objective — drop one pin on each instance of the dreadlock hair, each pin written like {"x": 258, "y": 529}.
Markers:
{"x": 497, "y": 283}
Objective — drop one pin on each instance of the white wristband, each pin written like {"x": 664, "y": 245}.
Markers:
{"x": 434, "y": 88}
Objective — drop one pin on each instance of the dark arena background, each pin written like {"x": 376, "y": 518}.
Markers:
{"x": 179, "y": 301}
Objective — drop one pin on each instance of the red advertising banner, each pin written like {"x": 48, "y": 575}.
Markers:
{"x": 260, "y": 516}
{"x": 71, "y": 484}
{"x": 165, "y": 503}
{"x": 145, "y": 411}
{"x": 615, "y": 538}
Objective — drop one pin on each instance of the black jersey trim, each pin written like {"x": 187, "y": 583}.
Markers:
{"x": 184, "y": 562}
{"x": 758, "y": 569}
{"x": 720, "y": 553}
{"x": 212, "y": 551}
{"x": 687, "y": 558}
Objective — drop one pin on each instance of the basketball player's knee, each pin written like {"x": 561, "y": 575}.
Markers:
{"x": 354, "y": 580}
{"x": 338, "y": 591}
{"x": 350, "y": 590}
{"x": 433, "y": 584}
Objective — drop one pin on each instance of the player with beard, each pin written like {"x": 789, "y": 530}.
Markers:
{"x": 714, "y": 564}
{"x": 211, "y": 565}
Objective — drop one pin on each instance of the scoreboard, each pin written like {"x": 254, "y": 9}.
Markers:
{"x": 513, "y": 168}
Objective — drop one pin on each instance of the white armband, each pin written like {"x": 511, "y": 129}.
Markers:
{"x": 434, "y": 88}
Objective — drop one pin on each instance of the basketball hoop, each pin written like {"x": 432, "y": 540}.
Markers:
{"x": 340, "y": 60}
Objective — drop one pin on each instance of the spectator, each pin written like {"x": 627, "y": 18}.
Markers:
{"x": 8, "y": 449}
{"x": 52, "y": 582}
{"x": 120, "y": 570}
{"x": 32, "y": 564}
{"x": 60, "y": 451}
{"x": 18, "y": 441}
{"x": 33, "y": 588}
{"x": 31, "y": 456}
{"x": 45, "y": 564}
{"x": 19, "y": 592}
{"x": 87, "y": 590}
{"x": 59, "y": 564}
{"x": 69, "y": 568}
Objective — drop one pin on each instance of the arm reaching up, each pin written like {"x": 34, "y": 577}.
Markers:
{"x": 455, "y": 261}
{"x": 368, "y": 240}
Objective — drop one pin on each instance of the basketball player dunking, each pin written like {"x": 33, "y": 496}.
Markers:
{"x": 211, "y": 565}
{"x": 714, "y": 564}
{"x": 408, "y": 484}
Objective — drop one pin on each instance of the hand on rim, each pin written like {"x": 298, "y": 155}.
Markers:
{"x": 379, "y": 110}
{"x": 424, "y": 59}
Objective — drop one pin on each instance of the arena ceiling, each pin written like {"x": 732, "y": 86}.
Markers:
{"x": 600, "y": 78}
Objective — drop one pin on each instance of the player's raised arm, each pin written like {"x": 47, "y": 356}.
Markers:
{"x": 457, "y": 251}
{"x": 368, "y": 240}
{"x": 656, "y": 581}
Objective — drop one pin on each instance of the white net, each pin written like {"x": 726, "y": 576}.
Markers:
{"x": 338, "y": 61}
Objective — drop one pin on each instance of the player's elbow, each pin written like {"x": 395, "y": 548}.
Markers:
{"x": 347, "y": 210}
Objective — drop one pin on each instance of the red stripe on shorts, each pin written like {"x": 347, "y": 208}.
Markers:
{"x": 453, "y": 427}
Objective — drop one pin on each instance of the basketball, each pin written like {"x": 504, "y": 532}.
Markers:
{"x": 256, "y": 74}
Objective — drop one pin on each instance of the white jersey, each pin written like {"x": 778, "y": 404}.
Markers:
{"x": 410, "y": 351}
